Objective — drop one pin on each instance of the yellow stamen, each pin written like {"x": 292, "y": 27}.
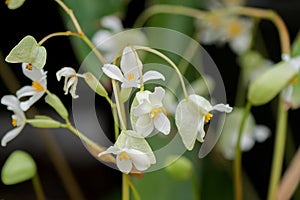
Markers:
{"x": 14, "y": 122}
{"x": 29, "y": 66}
{"x": 234, "y": 28}
{"x": 208, "y": 116}
{"x": 37, "y": 86}
{"x": 155, "y": 111}
{"x": 123, "y": 155}
{"x": 130, "y": 76}
{"x": 294, "y": 80}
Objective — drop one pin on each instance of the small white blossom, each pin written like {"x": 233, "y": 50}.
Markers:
{"x": 18, "y": 118}
{"x": 110, "y": 43}
{"x": 127, "y": 158}
{"x": 150, "y": 113}
{"x": 251, "y": 133}
{"x": 131, "y": 69}
{"x": 36, "y": 90}
{"x": 236, "y": 31}
{"x": 191, "y": 115}
{"x": 71, "y": 80}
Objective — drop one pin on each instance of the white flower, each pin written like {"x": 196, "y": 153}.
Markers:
{"x": 131, "y": 70}
{"x": 36, "y": 90}
{"x": 252, "y": 133}
{"x": 71, "y": 80}
{"x": 236, "y": 31}
{"x": 110, "y": 43}
{"x": 18, "y": 118}
{"x": 150, "y": 113}
{"x": 191, "y": 115}
{"x": 127, "y": 158}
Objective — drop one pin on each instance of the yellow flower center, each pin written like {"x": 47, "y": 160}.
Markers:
{"x": 123, "y": 155}
{"x": 234, "y": 28}
{"x": 37, "y": 86}
{"x": 294, "y": 80}
{"x": 130, "y": 76}
{"x": 155, "y": 112}
{"x": 7, "y": 2}
{"x": 208, "y": 116}
{"x": 29, "y": 66}
{"x": 14, "y": 122}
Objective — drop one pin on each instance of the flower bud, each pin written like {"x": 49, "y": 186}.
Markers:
{"x": 94, "y": 84}
{"x": 181, "y": 169}
{"x": 43, "y": 122}
{"x": 56, "y": 103}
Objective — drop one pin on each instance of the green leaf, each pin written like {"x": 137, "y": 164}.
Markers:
{"x": 19, "y": 167}
{"x": 44, "y": 122}
{"x": 14, "y": 4}
{"x": 28, "y": 51}
{"x": 56, "y": 103}
{"x": 95, "y": 85}
{"x": 266, "y": 86}
{"x": 181, "y": 169}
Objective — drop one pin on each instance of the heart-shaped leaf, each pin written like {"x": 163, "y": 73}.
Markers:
{"x": 28, "y": 51}
{"x": 19, "y": 167}
{"x": 14, "y": 4}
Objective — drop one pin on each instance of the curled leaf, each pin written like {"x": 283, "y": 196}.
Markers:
{"x": 28, "y": 51}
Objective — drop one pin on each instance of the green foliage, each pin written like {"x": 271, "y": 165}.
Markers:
{"x": 265, "y": 87}
{"x": 41, "y": 121}
{"x": 56, "y": 103}
{"x": 95, "y": 85}
{"x": 28, "y": 51}
{"x": 18, "y": 167}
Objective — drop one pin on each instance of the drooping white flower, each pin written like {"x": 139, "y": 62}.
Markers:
{"x": 191, "y": 115}
{"x": 36, "y": 90}
{"x": 110, "y": 42}
{"x": 127, "y": 158}
{"x": 71, "y": 80}
{"x": 18, "y": 118}
{"x": 133, "y": 152}
{"x": 130, "y": 73}
{"x": 252, "y": 133}
{"x": 150, "y": 113}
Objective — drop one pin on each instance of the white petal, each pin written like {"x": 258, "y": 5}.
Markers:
{"x": 100, "y": 39}
{"x": 201, "y": 132}
{"x": 142, "y": 109}
{"x": 261, "y": 133}
{"x": 203, "y": 104}
{"x": 111, "y": 149}
{"x": 144, "y": 125}
{"x": 187, "y": 118}
{"x": 222, "y": 108}
{"x": 25, "y": 91}
{"x": 70, "y": 82}
{"x": 131, "y": 84}
{"x": 157, "y": 96}
{"x": 162, "y": 123}
{"x": 152, "y": 75}
{"x": 73, "y": 89}
{"x": 10, "y": 101}
{"x": 27, "y": 104}
{"x": 112, "y": 22}
{"x": 241, "y": 43}
{"x": 130, "y": 61}
{"x": 124, "y": 165}
{"x": 11, "y": 135}
{"x": 113, "y": 72}
{"x": 34, "y": 74}
{"x": 247, "y": 142}
{"x": 66, "y": 72}
{"x": 139, "y": 159}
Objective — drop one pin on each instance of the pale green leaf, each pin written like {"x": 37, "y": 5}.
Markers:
{"x": 44, "y": 122}
{"x": 268, "y": 85}
{"x": 95, "y": 85}
{"x": 19, "y": 167}
{"x": 56, "y": 103}
{"x": 28, "y": 51}
{"x": 14, "y": 4}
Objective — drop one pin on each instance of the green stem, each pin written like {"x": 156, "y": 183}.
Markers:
{"x": 133, "y": 189}
{"x": 38, "y": 187}
{"x": 125, "y": 187}
{"x": 280, "y": 137}
{"x": 170, "y": 62}
{"x": 237, "y": 167}
{"x": 66, "y": 33}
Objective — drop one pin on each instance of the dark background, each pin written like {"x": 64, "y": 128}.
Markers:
{"x": 39, "y": 18}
